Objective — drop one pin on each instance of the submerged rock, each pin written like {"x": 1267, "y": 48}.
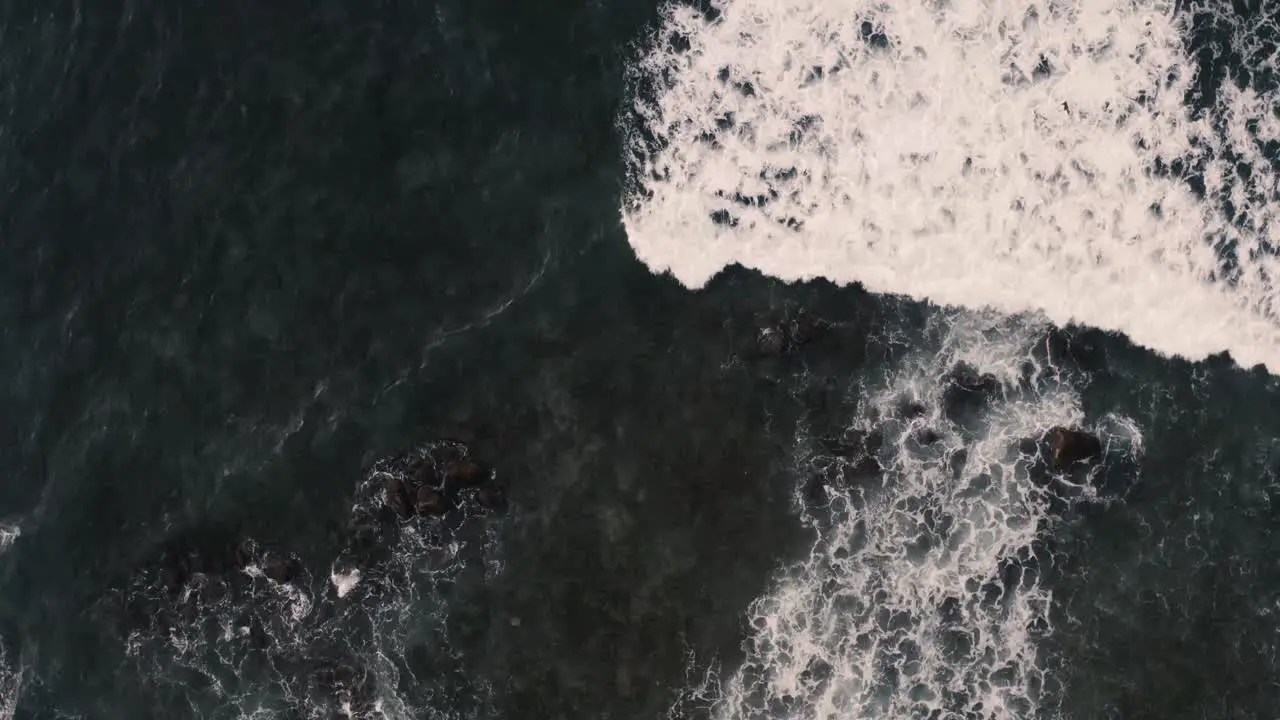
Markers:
{"x": 967, "y": 391}
{"x": 771, "y": 342}
{"x": 807, "y": 328}
{"x": 926, "y": 436}
{"x": 418, "y": 492}
{"x": 279, "y": 568}
{"x": 1068, "y": 447}
{"x": 853, "y": 443}
{"x": 856, "y": 453}
{"x": 429, "y": 501}
{"x": 492, "y": 497}
{"x": 912, "y": 409}
{"x": 463, "y": 473}
{"x": 789, "y": 335}
{"x": 396, "y": 497}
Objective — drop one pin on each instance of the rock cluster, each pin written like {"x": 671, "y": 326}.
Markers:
{"x": 784, "y": 338}
{"x": 436, "y": 480}
{"x": 852, "y": 458}
{"x": 967, "y": 392}
{"x": 434, "y": 483}
{"x": 206, "y": 556}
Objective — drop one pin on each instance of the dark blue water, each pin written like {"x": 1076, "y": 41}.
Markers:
{"x": 249, "y": 249}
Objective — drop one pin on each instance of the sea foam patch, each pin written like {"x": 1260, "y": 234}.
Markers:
{"x": 1016, "y": 155}
{"x": 922, "y": 595}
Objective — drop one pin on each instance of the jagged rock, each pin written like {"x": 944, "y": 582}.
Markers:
{"x": 447, "y": 451}
{"x": 1068, "y": 447}
{"x": 396, "y": 497}
{"x": 279, "y": 568}
{"x": 967, "y": 391}
{"x": 429, "y": 501}
{"x": 463, "y": 473}
{"x": 425, "y": 474}
{"x": 771, "y": 342}
{"x": 807, "y": 328}
{"x": 815, "y": 491}
{"x": 492, "y": 497}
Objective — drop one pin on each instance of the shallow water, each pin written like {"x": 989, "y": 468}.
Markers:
{"x": 250, "y": 252}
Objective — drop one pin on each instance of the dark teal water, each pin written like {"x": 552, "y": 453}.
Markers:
{"x": 248, "y": 249}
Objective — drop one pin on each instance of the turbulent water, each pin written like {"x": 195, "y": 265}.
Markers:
{"x": 639, "y": 360}
{"x": 1045, "y": 148}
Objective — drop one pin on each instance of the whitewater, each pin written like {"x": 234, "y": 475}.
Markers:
{"x": 1021, "y": 165}
{"x": 922, "y": 597}
{"x": 1056, "y": 156}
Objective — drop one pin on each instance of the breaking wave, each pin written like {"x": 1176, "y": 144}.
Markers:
{"x": 924, "y": 592}
{"x": 1078, "y": 158}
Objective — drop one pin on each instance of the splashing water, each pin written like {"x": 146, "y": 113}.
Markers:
{"x": 9, "y": 534}
{"x": 922, "y": 597}
{"x": 10, "y": 686}
{"x": 336, "y": 645}
{"x": 980, "y": 153}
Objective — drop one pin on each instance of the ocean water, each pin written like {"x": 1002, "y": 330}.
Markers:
{"x": 714, "y": 347}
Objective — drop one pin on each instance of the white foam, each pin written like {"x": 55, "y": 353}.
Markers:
{"x": 869, "y": 624}
{"x": 10, "y": 686}
{"x": 1052, "y": 212}
{"x": 345, "y": 582}
{"x": 9, "y": 533}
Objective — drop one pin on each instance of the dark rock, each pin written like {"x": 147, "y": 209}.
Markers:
{"x": 428, "y": 501}
{"x": 172, "y": 575}
{"x": 492, "y": 497}
{"x": 770, "y": 342}
{"x": 865, "y": 467}
{"x": 448, "y": 451}
{"x": 195, "y": 552}
{"x": 967, "y": 391}
{"x": 853, "y": 443}
{"x": 425, "y": 474}
{"x": 815, "y": 491}
{"x": 1075, "y": 347}
{"x": 807, "y": 328}
{"x": 279, "y": 568}
{"x": 463, "y": 473}
{"x": 397, "y": 497}
{"x": 245, "y": 552}
{"x": 1068, "y": 447}
{"x": 856, "y": 451}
